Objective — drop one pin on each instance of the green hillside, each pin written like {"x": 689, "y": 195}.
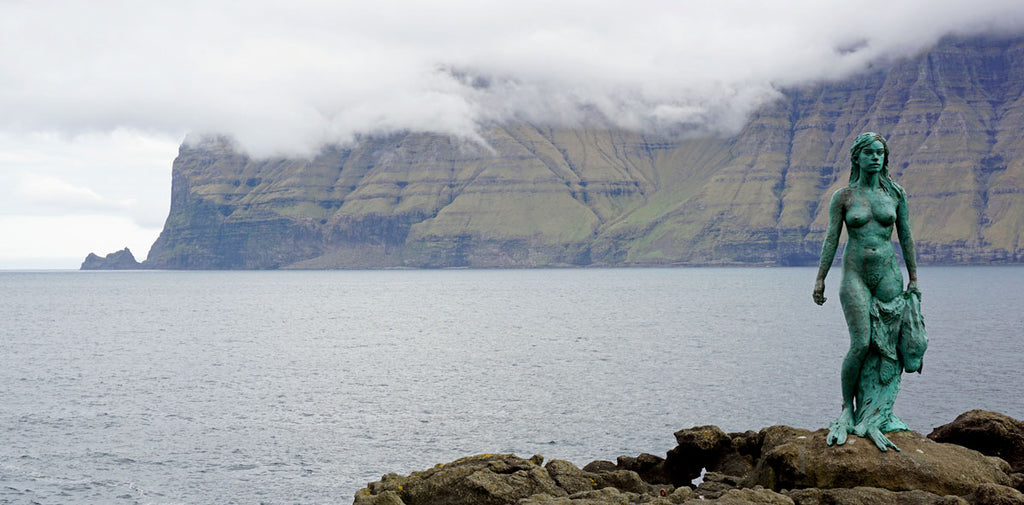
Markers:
{"x": 537, "y": 195}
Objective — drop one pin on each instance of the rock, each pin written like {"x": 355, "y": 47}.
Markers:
{"x": 569, "y": 477}
{"x": 600, "y": 466}
{"x": 779, "y": 465}
{"x": 622, "y": 479}
{"x": 994, "y": 494}
{"x": 605, "y": 496}
{"x": 699, "y": 448}
{"x": 612, "y": 496}
{"x": 485, "y": 480}
{"x": 870, "y": 495}
{"x": 745, "y": 497}
{"x": 795, "y": 458}
{"x": 989, "y": 433}
{"x": 649, "y": 467}
{"x": 120, "y": 260}
{"x": 717, "y": 484}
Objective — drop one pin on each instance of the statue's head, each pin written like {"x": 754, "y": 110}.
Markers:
{"x": 863, "y": 140}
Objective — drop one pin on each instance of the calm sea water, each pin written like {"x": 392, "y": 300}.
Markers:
{"x": 300, "y": 387}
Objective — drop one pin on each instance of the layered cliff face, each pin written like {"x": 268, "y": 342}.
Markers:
{"x": 537, "y": 195}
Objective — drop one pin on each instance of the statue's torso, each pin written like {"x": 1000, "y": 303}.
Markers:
{"x": 870, "y": 215}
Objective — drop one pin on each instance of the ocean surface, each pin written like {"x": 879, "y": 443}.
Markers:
{"x": 157, "y": 387}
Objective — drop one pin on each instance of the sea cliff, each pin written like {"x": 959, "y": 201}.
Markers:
{"x": 540, "y": 195}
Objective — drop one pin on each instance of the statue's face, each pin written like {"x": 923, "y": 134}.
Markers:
{"x": 871, "y": 157}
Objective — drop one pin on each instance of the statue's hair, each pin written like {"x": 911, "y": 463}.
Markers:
{"x": 884, "y": 179}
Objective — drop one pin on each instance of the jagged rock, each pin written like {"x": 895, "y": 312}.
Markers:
{"x": 870, "y": 495}
{"x": 748, "y": 496}
{"x": 698, "y": 448}
{"x": 716, "y": 484}
{"x": 742, "y": 457}
{"x": 613, "y": 496}
{"x": 604, "y": 496}
{"x": 796, "y": 458}
{"x": 994, "y": 494}
{"x": 485, "y": 480}
{"x": 987, "y": 432}
{"x": 119, "y": 260}
{"x": 786, "y": 466}
{"x": 649, "y": 467}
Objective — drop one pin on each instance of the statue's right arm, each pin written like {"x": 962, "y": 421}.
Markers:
{"x": 829, "y": 246}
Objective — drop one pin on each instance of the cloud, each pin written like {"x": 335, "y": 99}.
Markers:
{"x": 119, "y": 173}
{"x": 55, "y": 193}
{"x": 64, "y": 241}
{"x": 95, "y": 97}
{"x": 285, "y": 78}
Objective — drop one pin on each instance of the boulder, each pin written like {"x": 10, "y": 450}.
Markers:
{"x": 758, "y": 496}
{"x": 994, "y": 494}
{"x": 605, "y": 496}
{"x": 717, "y": 484}
{"x": 794, "y": 458}
{"x": 488, "y": 479}
{"x": 698, "y": 448}
{"x": 989, "y": 433}
{"x": 500, "y": 479}
{"x": 570, "y": 478}
{"x": 600, "y": 466}
{"x": 613, "y": 496}
{"x": 872, "y": 495}
{"x": 779, "y": 465}
{"x": 649, "y": 467}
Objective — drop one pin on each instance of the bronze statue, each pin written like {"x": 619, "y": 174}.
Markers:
{"x": 884, "y": 321}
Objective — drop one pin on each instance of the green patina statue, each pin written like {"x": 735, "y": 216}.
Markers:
{"x": 886, "y": 328}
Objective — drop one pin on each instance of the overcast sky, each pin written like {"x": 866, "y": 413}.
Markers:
{"x": 96, "y": 97}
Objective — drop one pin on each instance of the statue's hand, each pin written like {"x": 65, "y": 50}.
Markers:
{"x": 819, "y": 292}
{"x": 912, "y": 287}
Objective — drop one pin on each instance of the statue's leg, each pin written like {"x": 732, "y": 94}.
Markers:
{"x": 880, "y": 397}
{"x": 856, "y": 300}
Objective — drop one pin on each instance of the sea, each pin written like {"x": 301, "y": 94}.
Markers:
{"x": 300, "y": 387}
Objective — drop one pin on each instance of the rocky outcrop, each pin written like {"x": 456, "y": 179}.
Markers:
{"x": 120, "y": 260}
{"x": 792, "y": 459}
{"x": 778, "y": 465}
{"x": 989, "y": 433}
{"x": 537, "y": 195}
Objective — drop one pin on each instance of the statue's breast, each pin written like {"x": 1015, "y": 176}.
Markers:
{"x": 864, "y": 208}
{"x": 858, "y": 213}
{"x": 883, "y": 210}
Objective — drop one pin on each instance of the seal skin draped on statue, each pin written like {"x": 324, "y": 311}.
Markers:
{"x": 887, "y": 335}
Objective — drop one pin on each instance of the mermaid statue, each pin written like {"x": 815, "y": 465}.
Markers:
{"x": 884, "y": 320}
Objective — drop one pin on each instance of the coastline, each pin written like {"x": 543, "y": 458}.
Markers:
{"x": 977, "y": 459}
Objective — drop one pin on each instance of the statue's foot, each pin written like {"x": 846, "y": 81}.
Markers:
{"x": 839, "y": 428}
{"x": 881, "y": 440}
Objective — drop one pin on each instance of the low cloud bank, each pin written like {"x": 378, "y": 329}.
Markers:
{"x": 287, "y": 79}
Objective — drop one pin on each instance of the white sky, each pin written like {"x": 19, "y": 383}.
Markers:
{"x": 95, "y": 97}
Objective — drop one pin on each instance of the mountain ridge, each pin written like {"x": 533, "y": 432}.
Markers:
{"x": 540, "y": 195}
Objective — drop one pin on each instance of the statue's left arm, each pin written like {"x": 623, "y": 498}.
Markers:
{"x": 906, "y": 241}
